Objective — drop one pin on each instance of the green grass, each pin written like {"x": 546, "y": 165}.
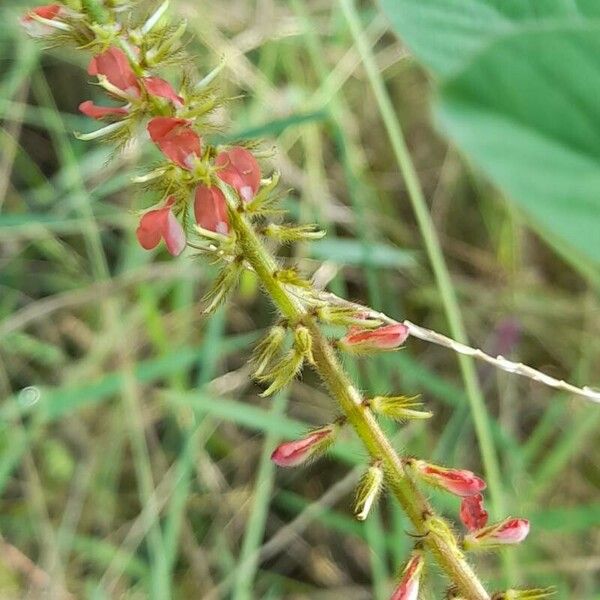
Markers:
{"x": 143, "y": 470}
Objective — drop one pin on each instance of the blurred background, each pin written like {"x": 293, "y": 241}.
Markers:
{"x": 134, "y": 447}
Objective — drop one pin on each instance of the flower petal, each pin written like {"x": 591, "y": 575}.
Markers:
{"x": 151, "y": 227}
{"x": 114, "y": 65}
{"x": 387, "y": 337}
{"x": 240, "y": 170}
{"x": 296, "y": 452}
{"x": 457, "y": 481}
{"x": 210, "y": 209}
{"x": 90, "y": 109}
{"x": 176, "y": 139}
{"x": 156, "y": 86}
{"x": 472, "y": 513}
{"x": 408, "y": 589}
{"x": 174, "y": 235}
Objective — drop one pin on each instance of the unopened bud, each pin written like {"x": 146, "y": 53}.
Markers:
{"x": 346, "y": 316}
{"x": 457, "y": 481}
{"x": 472, "y": 513}
{"x": 268, "y": 348}
{"x": 399, "y": 408}
{"x": 368, "y": 491}
{"x": 303, "y": 342}
{"x": 297, "y": 452}
{"x": 508, "y": 532}
{"x": 388, "y": 337}
{"x": 410, "y": 581}
{"x": 531, "y": 594}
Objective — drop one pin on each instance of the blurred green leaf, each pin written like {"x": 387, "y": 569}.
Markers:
{"x": 355, "y": 253}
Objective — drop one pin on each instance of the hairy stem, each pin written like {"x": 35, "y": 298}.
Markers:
{"x": 440, "y": 540}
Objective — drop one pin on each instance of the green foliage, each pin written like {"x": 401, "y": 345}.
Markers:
{"x": 518, "y": 92}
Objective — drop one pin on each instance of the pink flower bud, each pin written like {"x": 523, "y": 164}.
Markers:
{"x": 457, "y": 481}
{"x": 509, "y": 531}
{"x": 176, "y": 139}
{"x": 34, "y": 27}
{"x": 292, "y": 454}
{"x": 411, "y": 579}
{"x": 89, "y": 109}
{"x": 472, "y": 513}
{"x": 159, "y": 224}
{"x": 114, "y": 65}
{"x": 240, "y": 170}
{"x": 156, "y": 86}
{"x": 387, "y": 337}
{"x": 210, "y": 209}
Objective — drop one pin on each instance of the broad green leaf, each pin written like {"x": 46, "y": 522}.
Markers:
{"x": 526, "y": 111}
{"x": 446, "y": 34}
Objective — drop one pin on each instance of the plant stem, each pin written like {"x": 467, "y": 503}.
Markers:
{"x": 442, "y": 545}
{"x": 436, "y": 257}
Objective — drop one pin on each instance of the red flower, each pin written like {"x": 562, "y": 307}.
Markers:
{"x": 210, "y": 209}
{"x": 240, "y": 170}
{"x": 114, "y": 65}
{"x": 292, "y": 454}
{"x": 472, "y": 513}
{"x": 509, "y": 531}
{"x": 387, "y": 337}
{"x": 156, "y": 86}
{"x": 35, "y": 28}
{"x": 176, "y": 139}
{"x": 89, "y": 109}
{"x": 457, "y": 481}
{"x": 159, "y": 224}
{"x": 411, "y": 579}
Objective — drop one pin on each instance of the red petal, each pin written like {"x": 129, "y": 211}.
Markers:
{"x": 176, "y": 139}
{"x": 472, "y": 513}
{"x": 152, "y": 225}
{"x": 291, "y": 454}
{"x": 210, "y": 208}
{"x": 457, "y": 481}
{"x": 240, "y": 170}
{"x": 382, "y": 338}
{"x": 163, "y": 89}
{"x": 49, "y": 11}
{"x": 89, "y": 109}
{"x": 174, "y": 234}
{"x": 114, "y": 65}
{"x": 409, "y": 585}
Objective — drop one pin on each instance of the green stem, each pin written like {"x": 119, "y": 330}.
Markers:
{"x": 440, "y": 540}
{"x": 436, "y": 257}
{"x": 96, "y": 11}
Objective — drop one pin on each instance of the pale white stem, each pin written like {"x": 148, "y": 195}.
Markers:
{"x": 499, "y": 362}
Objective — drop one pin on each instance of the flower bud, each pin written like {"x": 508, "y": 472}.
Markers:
{"x": 297, "y": 452}
{"x": 43, "y": 20}
{"x": 238, "y": 168}
{"x": 457, "y": 481}
{"x": 388, "y": 337}
{"x": 408, "y": 589}
{"x": 303, "y": 342}
{"x": 368, "y": 491}
{"x": 508, "y": 532}
{"x": 531, "y": 594}
{"x": 399, "y": 408}
{"x": 472, "y": 513}
{"x": 176, "y": 140}
{"x": 268, "y": 348}
{"x": 161, "y": 223}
